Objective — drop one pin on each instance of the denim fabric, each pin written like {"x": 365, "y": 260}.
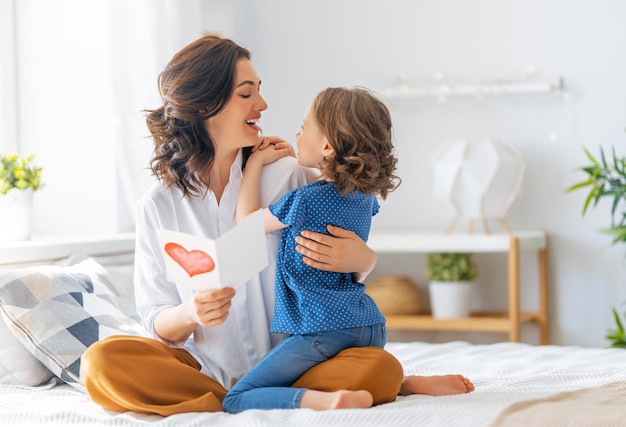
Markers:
{"x": 267, "y": 384}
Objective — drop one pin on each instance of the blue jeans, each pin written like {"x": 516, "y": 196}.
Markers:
{"x": 268, "y": 384}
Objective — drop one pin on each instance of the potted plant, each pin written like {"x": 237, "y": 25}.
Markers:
{"x": 606, "y": 179}
{"x": 19, "y": 178}
{"x": 451, "y": 276}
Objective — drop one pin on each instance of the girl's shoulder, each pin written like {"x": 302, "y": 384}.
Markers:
{"x": 328, "y": 189}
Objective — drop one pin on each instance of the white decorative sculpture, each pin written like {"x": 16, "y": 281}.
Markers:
{"x": 477, "y": 180}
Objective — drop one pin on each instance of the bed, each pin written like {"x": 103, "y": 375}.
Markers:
{"x": 81, "y": 298}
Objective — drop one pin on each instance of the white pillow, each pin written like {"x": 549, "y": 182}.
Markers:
{"x": 17, "y": 365}
{"x": 57, "y": 312}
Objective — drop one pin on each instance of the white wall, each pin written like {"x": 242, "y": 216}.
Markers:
{"x": 300, "y": 47}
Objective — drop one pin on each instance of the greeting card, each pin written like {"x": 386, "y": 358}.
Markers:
{"x": 230, "y": 260}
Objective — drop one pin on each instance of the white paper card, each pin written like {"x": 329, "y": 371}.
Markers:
{"x": 230, "y": 260}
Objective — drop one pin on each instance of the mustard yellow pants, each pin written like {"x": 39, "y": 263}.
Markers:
{"x": 126, "y": 373}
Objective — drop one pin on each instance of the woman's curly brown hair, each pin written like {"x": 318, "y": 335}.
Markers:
{"x": 358, "y": 126}
{"x": 195, "y": 85}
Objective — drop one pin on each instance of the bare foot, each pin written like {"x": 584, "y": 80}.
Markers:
{"x": 436, "y": 385}
{"x": 345, "y": 399}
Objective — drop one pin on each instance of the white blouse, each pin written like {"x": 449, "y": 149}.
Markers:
{"x": 227, "y": 351}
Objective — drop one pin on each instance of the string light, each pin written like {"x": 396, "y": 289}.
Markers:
{"x": 441, "y": 88}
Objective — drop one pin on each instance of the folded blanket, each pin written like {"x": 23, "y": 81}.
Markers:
{"x": 600, "y": 406}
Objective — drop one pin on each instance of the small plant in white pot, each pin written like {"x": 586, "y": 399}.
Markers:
{"x": 19, "y": 178}
{"x": 451, "y": 277}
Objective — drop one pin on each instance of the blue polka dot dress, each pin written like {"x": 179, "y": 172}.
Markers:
{"x": 309, "y": 300}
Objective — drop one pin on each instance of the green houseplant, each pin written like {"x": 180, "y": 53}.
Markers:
{"x": 606, "y": 179}
{"x": 19, "y": 178}
{"x": 19, "y": 173}
{"x": 451, "y": 276}
{"x": 451, "y": 267}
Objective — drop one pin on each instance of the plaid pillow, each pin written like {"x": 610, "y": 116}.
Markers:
{"x": 57, "y": 312}
{"x": 17, "y": 365}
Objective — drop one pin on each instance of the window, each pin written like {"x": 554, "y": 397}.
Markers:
{"x": 8, "y": 82}
{"x": 75, "y": 77}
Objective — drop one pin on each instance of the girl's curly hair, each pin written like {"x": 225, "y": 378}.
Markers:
{"x": 195, "y": 85}
{"x": 358, "y": 126}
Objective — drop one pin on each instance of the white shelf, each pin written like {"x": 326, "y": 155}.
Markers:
{"x": 412, "y": 242}
{"x": 54, "y": 247}
{"x": 511, "y": 244}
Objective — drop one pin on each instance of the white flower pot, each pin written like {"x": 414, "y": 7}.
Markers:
{"x": 450, "y": 300}
{"x": 16, "y": 215}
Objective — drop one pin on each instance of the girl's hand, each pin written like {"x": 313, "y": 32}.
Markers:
{"x": 342, "y": 252}
{"x": 210, "y": 308}
{"x": 272, "y": 153}
{"x": 266, "y": 141}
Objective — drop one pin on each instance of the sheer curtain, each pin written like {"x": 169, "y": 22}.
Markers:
{"x": 85, "y": 73}
{"x": 8, "y": 121}
{"x": 145, "y": 34}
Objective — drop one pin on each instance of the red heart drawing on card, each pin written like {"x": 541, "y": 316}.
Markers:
{"x": 194, "y": 262}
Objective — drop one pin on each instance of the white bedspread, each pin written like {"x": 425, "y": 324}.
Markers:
{"x": 503, "y": 374}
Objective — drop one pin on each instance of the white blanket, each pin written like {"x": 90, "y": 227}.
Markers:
{"x": 503, "y": 374}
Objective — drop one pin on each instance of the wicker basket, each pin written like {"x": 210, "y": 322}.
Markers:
{"x": 395, "y": 295}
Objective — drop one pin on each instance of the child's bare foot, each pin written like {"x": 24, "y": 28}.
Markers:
{"x": 436, "y": 385}
{"x": 345, "y": 399}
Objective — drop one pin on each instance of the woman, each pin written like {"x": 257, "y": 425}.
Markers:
{"x": 203, "y": 342}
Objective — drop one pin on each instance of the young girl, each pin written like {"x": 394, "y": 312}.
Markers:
{"x": 346, "y": 134}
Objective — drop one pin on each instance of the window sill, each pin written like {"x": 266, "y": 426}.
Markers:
{"x": 47, "y": 248}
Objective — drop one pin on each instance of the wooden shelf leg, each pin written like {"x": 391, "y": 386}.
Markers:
{"x": 514, "y": 293}
{"x": 544, "y": 325}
